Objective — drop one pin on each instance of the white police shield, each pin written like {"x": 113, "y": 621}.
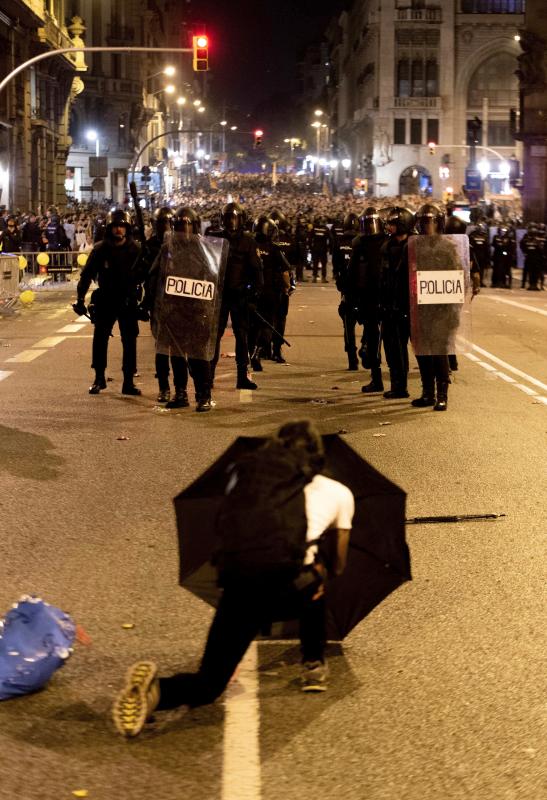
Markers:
{"x": 188, "y": 296}
{"x": 440, "y": 294}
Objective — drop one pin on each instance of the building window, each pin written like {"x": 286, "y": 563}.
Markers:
{"x": 415, "y": 131}
{"x": 495, "y": 81}
{"x": 499, "y": 133}
{"x": 403, "y": 78}
{"x": 433, "y": 130}
{"x": 493, "y": 6}
{"x": 399, "y": 131}
{"x": 431, "y": 78}
{"x": 418, "y": 79}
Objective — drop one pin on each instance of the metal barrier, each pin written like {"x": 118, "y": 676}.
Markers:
{"x": 9, "y": 282}
{"x": 54, "y": 263}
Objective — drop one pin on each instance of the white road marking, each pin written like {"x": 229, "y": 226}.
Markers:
{"x": 72, "y": 328}
{"x": 515, "y": 303}
{"x": 541, "y": 400}
{"x": 4, "y": 374}
{"x": 50, "y": 341}
{"x": 486, "y": 366}
{"x": 510, "y": 368}
{"x": 505, "y": 377}
{"x": 241, "y": 761}
{"x": 526, "y": 389}
{"x": 25, "y": 356}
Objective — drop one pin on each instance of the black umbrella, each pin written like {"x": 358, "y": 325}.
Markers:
{"x": 378, "y": 559}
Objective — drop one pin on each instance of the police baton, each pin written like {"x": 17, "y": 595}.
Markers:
{"x": 269, "y": 325}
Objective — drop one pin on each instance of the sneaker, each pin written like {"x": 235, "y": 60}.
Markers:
{"x": 314, "y": 676}
{"x": 137, "y": 700}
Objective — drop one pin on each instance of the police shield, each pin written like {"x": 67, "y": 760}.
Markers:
{"x": 188, "y": 296}
{"x": 440, "y": 294}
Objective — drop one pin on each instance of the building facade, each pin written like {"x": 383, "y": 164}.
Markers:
{"x": 35, "y": 106}
{"x": 415, "y": 82}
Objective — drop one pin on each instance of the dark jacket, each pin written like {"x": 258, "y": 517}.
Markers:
{"x": 365, "y": 270}
{"x": 394, "y": 292}
{"x": 117, "y": 272}
{"x": 244, "y": 267}
{"x": 10, "y": 240}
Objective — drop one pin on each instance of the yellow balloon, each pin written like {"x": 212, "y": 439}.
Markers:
{"x": 42, "y": 259}
{"x": 27, "y": 297}
{"x": 82, "y": 259}
{"x": 22, "y": 262}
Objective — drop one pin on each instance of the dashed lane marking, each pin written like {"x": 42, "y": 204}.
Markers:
{"x": 493, "y": 371}
{"x": 74, "y": 327}
{"x": 50, "y": 341}
{"x": 4, "y": 373}
{"x": 510, "y": 368}
{"x": 526, "y": 389}
{"x": 241, "y": 778}
{"x": 25, "y": 356}
{"x": 507, "y": 302}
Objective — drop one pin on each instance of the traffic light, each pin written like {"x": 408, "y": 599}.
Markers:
{"x": 200, "y": 45}
{"x": 432, "y": 147}
{"x": 258, "y": 139}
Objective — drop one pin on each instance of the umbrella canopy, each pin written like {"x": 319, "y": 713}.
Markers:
{"x": 378, "y": 558}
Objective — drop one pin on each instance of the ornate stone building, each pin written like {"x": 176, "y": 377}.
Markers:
{"x": 410, "y": 74}
{"x": 35, "y": 106}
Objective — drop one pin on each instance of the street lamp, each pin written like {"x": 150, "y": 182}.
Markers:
{"x": 197, "y": 103}
{"x": 318, "y": 112}
{"x": 233, "y": 128}
{"x": 168, "y": 71}
{"x": 484, "y": 168}
{"x": 181, "y": 101}
{"x": 93, "y": 136}
{"x": 346, "y": 163}
{"x": 201, "y": 109}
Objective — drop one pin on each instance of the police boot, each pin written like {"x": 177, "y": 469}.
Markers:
{"x": 442, "y": 396}
{"x": 256, "y": 365}
{"x": 180, "y": 400}
{"x": 427, "y": 398}
{"x": 453, "y": 362}
{"x": 128, "y": 387}
{"x": 243, "y": 381}
{"x": 203, "y": 403}
{"x": 376, "y": 384}
{"x": 353, "y": 363}
{"x": 98, "y": 384}
{"x": 277, "y": 356}
{"x": 164, "y": 395}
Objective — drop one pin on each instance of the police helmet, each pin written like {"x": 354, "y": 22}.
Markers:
{"x": 233, "y": 217}
{"x": 163, "y": 218}
{"x": 118, "y": 218}
{"x": 503, "y": 230}
{"x": 428, "y": 215}
{"x": 186, "y": 220}
{"x": 401, "y": 219}
{"x": 455, "y": 225}
{"x": 265, "y": 226}
{"x": 279, "y": 218}
{"x": 351, "y": 222}
{"x": 370, "y": 222}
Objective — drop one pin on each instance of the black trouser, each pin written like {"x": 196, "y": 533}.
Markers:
{"x": 199, "y": 370}
{"x": 319, "y": 258}
{"x": 372, "y": 335}
{"x": 395, "y": 335}
{"x": 245, "y": 608}
{"x": 349, "y": 321}
{"x": 433, "y": 368}
{"x": 260, "y": 334}
{"x": 129, "y": 330}
{"x": 280, "y": 322}
{"x": 234, "y": 306}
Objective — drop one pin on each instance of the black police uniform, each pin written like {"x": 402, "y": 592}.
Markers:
{"x": 319, "y": 247}
{"x": 116, "y": 271}
{"x": 341, "y": 257}
{"x": 479, "y": 245}
{"x": 270, "y": 304}
{"x": 301, "y": 236}
{"x": 395, "y": 312}
{"x": 502, "y": 260}
{"x": 533, "y": 247}
{"x": 364, "y": 275}
{"x": 242, "y": 283}
{"x": 286, "y": 242}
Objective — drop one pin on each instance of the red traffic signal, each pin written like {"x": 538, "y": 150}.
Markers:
{"x": 258, "y": 138}
{"x": 200, "y": 46}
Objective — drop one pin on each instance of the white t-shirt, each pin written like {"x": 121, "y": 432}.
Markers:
{"x": 329, "y": 504}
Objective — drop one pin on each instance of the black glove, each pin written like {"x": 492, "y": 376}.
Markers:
{"x": 79, "y": 308}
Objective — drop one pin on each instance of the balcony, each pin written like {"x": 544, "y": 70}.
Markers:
{"x": 419, "y": 15}
{"x": 54, "y": 37}
{"x": 426, "y": 103}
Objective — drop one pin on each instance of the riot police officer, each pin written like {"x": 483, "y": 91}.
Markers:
{"x": 113, "y": 263}
{"x": 533, "y": 247}
{"x": 242, "y": 285}
{"x": 287, "y": 244}
{"x": 430, "y": 221}
{"x": 394, "y": 299}
{"x": 319, "y": 241}
{"x": 342, "y": 246}
{"x": 503, "y": 258}
{"x": 170, "y": 324}
{"x": 365, "y": 271}
{"x": 301, "y": 239}
{"x": 480, "y": 249}
{"x": 276, "y": 270}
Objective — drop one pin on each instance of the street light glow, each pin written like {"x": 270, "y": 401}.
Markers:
{"x": 181, "y": 101}
{"x": 169, "y": 71}
{"x": 197, "y": 103}
{"x": 91, "y": 135}
{"x": 346, "y": 163}
{"x": 318, "y": 112}
{"x": 200, "y": 153}
{"x": 334, "y": 163}
{"x": 223, "y": 122}
{"x": 484, "y": 167}
{"x": 316, "y": 124}
{"x": 233, "y": 128}
{"x": 169, "y": 89}
{"x": 201, "y": 109}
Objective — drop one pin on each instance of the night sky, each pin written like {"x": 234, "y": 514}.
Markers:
{"x": 255, "y": 45}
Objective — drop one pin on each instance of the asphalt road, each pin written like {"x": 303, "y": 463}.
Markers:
{"x": 438, "y": 694}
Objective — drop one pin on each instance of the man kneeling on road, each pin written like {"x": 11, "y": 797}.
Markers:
{"x": 277, "y": 505}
